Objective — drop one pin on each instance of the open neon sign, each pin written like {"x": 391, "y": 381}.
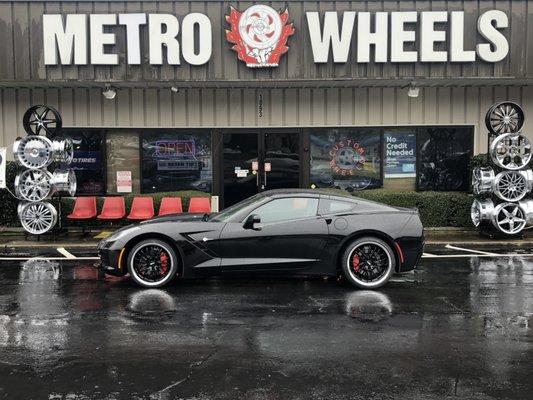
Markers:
{"x": 175, "y": 148}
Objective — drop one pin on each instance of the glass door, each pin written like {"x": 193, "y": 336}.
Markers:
{"x": 257, "y": 161}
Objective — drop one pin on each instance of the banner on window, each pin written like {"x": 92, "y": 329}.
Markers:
{"x": 124, "y": 184}
{"x": 400, "y": 154}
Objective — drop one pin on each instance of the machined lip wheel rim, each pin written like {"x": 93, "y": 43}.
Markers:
{"x": 510, "y": 218}
{"x": 152, "y": 263}
{"x": 41, "y": 119}
{"x": 510, "y": 186}
{"x": 511, "y": 151}
{"x": 33, "y": 185}
{"x": 505, "y": 117}
{"x": 369, "y": 263}
{"x": 475, "y": 213}
{"x": 37, "y": 218}
{"x": 33, "y": 151}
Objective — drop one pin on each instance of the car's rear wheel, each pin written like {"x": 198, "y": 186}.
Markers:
{"x": 152, "y": 263}
{"x": 368, "y": 263}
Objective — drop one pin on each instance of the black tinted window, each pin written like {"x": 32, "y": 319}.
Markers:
{"x": 287, "y": 208}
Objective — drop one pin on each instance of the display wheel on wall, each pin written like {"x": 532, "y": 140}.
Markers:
{"x": 63, "y": 150}
{"x": 482, "y": 180}
{"x": 481, "y": 211}
{"x": 33, "y": 151}
{"x": 64, "y": 182}
{"x": 513, "y": 185}
{"x": 509, "y": 218}
{"x": 33, "y": 184}
{"x": 37, "y": 218}
{"x": 504, "y": 117}
{"x": 511, "y": 151}
{"x": 42, "y": 120}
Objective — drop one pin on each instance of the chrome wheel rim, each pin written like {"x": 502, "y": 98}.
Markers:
{"x": 33, "y": 152}
{"x": 63, "y": 150}
{"x": 481, "y": 210}
{"x": 506, "y": 117}
{"x": 152, "y": 263}
{"x": 38, "y": 120}
{"x": 369, "y": 263}
{"x": 33, "y": 185}
{"x": 64, "y": 182}
{"x": 482, "y": 179}
{"x": 511, "y": 151}
{"x": 509, "y": 218}
{"x": 37, "y": 218}
{"x": 511, "y": 185}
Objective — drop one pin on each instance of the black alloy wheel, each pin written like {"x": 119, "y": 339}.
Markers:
{"x": 42, "y": 120}
{"x": 368, "y": 263}
{"x": 152, "y": 263}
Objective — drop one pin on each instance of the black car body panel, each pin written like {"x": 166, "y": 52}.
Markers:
{"x": 304, "y": 246}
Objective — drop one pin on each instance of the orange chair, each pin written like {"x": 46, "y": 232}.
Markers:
{"x": 113, "y": 209}
{"x": 84, "y": 208}
{"x": 170, "y": 205}
{"x": 142, "y": 208}
{"x": 200, "y": 205}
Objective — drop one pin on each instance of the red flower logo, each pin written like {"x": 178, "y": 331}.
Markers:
{"x": 259, "y": 35}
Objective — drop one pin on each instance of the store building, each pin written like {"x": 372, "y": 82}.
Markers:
{"x": 197, "y": 95}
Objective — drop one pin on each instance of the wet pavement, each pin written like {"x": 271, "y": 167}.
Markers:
{"x": 456, "y": 328}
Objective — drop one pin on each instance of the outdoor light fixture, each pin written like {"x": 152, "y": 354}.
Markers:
{"x": 413, "y": 90}
{"x": 174, "y": 89}
{"x": 109, "y": 93}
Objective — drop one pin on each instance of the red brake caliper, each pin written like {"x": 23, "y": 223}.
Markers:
{"x": 163, "y": 258}
{"x": 355, "y": 263}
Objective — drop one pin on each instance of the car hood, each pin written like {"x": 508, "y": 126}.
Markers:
{"x": 175, "y": 218}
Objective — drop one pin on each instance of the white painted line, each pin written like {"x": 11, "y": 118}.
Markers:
{"x": 449, "y": 246}
{"x": 489, "y": 255}
{"x": 64, "y": 251}
{"x": 48, "y": 258}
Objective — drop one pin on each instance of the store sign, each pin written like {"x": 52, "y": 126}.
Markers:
{"x": 400, "y": 154}
{"x": 2, "y": 167}
{"x": 124, "y": 182}
{"x": 347, "y": 157}
{"x": 259, "y": 35}
{"x": 175, "y": 148}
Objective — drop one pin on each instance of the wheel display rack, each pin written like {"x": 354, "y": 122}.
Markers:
{"x": 503, "y": 204}
{"x": 35, "y": 185}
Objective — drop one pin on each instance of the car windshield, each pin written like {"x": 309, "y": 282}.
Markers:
{"x": 229, "y": 212}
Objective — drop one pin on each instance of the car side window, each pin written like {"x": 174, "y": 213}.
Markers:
{"x": 287, "y": 208}
{"x": 330, "y": 206}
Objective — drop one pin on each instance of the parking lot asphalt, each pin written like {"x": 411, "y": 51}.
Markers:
{"x": 458, "y": 327}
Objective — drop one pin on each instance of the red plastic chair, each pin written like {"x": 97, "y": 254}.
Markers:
{"x": 113, "y": 209}
{"x": 170, "y": 205}
{"x": 200, "y": 205}
{"x": 84, "y": 208}
{"x": 142, "y": 208}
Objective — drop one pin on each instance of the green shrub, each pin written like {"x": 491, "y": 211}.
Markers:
{"x": 437, "y": 209}
{"x": 8, "y": 203}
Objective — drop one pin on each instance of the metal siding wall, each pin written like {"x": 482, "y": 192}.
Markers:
{"x": 21, "y": 45}
{"x": 217, "y": 108}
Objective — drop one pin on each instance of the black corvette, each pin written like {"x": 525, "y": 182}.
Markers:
{"x": 294, "y": 232}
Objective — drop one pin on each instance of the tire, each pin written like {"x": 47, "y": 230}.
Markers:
{"x": 354, "y": 271}
{"x": 146, "y": 270}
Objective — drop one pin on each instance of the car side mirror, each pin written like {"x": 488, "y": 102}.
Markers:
{"x": 250, "y": 222}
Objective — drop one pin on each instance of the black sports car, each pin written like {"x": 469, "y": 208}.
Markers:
{"x": 292, "y": 231}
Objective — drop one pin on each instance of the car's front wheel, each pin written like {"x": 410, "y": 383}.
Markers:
{"x": 368, "y": 263}
{"x": 152, "y": 263}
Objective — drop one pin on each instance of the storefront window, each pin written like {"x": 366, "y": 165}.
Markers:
{"x": 175, "y": 160}
{"x": 443, "y": 158}
{"x": 123, "y": 166}
{"x": 399, "y": 152}
{"x": 89, "y": 161}
{"x": 347, "y": 159}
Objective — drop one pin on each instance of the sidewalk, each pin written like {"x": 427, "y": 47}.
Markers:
{"x": 13, "y": 242}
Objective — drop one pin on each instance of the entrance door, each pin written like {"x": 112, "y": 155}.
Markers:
{"x": 257, "y": 161}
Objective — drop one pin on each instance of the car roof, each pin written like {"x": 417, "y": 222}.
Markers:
{"x": 306, "y": 193}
